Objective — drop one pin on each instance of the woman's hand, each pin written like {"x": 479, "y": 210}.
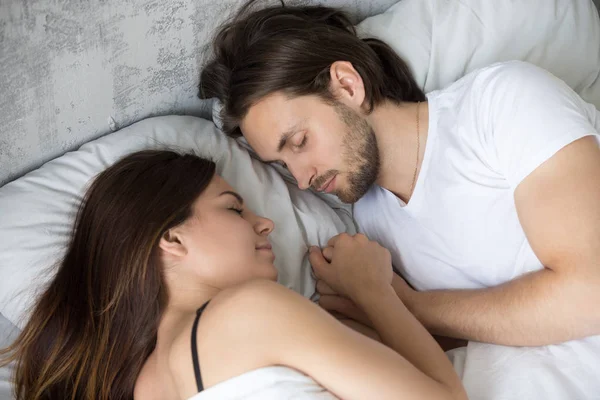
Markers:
{"x": 352, "y": 265}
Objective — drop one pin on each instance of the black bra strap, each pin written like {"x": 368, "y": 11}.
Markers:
{"x": 195, "y": 348}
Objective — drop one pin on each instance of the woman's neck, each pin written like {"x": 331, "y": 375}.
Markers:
{"x": 181, "y": 307}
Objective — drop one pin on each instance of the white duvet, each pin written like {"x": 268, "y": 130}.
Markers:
{"x": 271, "y": 383}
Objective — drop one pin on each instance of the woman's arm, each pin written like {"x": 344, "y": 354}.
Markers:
{"x": 261, "y": 324}
{"x": 358, "y": 327}
{"x": 366, "y": 280}
{"x": 345, "y": 311}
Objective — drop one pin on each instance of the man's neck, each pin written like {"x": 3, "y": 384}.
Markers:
{"x": 395, "y": 127}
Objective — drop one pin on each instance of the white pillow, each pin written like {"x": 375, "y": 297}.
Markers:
{"x": 442, "y": 40}
{"x": 37, "y": 210}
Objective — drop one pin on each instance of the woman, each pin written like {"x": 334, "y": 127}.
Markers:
{"x": 165, "y": 254}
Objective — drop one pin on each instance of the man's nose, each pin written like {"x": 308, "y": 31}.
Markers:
{"x": 303, "y": 176}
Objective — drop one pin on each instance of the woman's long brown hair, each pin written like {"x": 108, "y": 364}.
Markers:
{"x": 96, "y": 323}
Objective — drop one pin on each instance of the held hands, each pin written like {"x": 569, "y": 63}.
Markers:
{"x": 351, "y": 266}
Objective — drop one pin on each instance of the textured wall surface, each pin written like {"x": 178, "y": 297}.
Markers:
{"x": 72, "y": 70}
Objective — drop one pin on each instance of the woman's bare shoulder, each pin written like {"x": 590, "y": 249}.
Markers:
{"x": 234, "y": 333}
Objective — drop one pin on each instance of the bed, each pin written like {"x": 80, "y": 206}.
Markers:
{"x": 85, "y": 83}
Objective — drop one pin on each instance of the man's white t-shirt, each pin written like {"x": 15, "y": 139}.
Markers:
{"x": 487, "y": 132}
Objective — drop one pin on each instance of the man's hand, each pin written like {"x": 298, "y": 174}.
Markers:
{"x": 358, "y": 265}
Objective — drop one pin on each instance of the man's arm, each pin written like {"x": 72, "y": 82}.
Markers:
{"x": 559, "y": 208}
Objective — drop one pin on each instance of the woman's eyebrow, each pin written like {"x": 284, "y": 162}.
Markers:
{"x": 234, "y": 194}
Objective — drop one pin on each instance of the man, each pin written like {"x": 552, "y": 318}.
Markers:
{"x": 486, "y": 193}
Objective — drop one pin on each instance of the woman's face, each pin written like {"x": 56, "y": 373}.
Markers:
{"x": 223, "y": 242}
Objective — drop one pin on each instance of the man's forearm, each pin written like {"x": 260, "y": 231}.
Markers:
{"x": 537, "y": 309}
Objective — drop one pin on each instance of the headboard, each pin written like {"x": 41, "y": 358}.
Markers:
{"x": 73, "y": 70}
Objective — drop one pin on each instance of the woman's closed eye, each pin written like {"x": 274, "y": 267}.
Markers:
{"x": 238, "y": 210}
{"x": 236, "y": 202}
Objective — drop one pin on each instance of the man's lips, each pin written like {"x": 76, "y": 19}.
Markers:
{"x": 327, "y": 186}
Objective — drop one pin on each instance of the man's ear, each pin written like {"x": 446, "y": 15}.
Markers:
{"x": 171, "y": 243}
{"x": 346, "y": 84}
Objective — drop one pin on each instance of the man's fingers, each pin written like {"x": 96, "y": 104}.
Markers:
{"x": 344, "y": 306}
{"x": 328, "y": 253}
{"x": 336, "y": 238}
{"x": 318, "y": 262}
{"x": 324, "y": 289}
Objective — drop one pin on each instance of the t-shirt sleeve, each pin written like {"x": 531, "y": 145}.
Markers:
{"x": 526, "y": 115}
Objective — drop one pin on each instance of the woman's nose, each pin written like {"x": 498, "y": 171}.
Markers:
{"x": 264, "y": 226}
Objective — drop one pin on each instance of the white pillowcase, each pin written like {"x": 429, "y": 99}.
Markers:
{"x": 37, "y": 210}
{"x": 443, "y": 40}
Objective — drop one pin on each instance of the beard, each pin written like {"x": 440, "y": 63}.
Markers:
{"x": 359, "y": 153}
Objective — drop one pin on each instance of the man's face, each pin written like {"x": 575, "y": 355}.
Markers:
{"x": 327, "y": 147}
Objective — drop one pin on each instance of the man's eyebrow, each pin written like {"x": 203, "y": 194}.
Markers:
{"x": 287, "y": 134}
{"x": 234, "y": 194}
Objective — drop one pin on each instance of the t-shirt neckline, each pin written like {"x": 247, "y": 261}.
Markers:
{"x": 416, "y": 198}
